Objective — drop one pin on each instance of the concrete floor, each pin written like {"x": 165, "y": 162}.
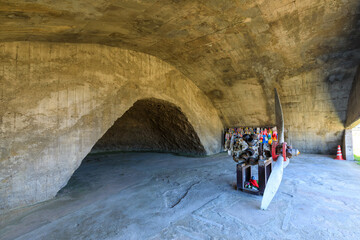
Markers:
{"x": 163, "y": 196}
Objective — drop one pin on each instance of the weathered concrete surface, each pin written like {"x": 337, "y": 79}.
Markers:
{"x": 236, "y": 52}
{"x": 161, "y": 196}
{"x": 151, "y": 125}
{"x": 57, "y": 100}
{"x": 353, "y": 112}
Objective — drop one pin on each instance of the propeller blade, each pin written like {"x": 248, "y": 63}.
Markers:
{"x": 286, "y": 163}
{"x": 232, "y": 141}
{"x": 279, "y": 118}
{"x": 273, "y": 182}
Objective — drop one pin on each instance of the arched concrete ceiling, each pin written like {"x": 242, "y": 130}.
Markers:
{"x": 234, "y": 51}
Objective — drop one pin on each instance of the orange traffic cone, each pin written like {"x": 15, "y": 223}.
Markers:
{"x": 339, "y": 154}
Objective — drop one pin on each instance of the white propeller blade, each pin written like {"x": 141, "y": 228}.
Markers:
{"x": 273, "y": 182}
{"x": 231, "y": 145}
{"x": 279, "y": 118}
{"x": 286, "y": 163}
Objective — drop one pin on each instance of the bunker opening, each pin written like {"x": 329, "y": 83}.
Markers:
{"x": 150, "y": 126}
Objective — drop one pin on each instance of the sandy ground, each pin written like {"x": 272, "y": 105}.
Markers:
{"x": 163, "y": 196}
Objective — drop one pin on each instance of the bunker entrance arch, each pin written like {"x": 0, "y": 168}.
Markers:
{"x": 74, "y": 107}
{"x": 150, "y": 125}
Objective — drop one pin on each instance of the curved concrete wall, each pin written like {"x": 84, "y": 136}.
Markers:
{"x": 57, "y": 100}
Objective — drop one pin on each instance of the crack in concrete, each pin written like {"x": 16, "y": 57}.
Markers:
{"x": 183, "y": 196}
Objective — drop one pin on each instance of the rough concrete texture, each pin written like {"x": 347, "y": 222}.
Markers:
{"x": 353, "y": 113}
{"x": 151, "y": 125}
{"x": 161, "y": 196}
{"x": 223, "y": 59}
{"x": 57, "y": 100}
{"x": 236, "y": 52}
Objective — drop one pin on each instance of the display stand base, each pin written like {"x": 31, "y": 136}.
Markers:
{"x": 243, "y": 174}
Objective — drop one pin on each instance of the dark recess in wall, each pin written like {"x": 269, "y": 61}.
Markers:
{"x": 152, "y": 125}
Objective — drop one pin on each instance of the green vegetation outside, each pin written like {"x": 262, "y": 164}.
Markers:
{"x": 357, "y": 158}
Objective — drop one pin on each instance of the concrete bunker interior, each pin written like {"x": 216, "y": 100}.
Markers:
{"x": 171, "y": 76}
